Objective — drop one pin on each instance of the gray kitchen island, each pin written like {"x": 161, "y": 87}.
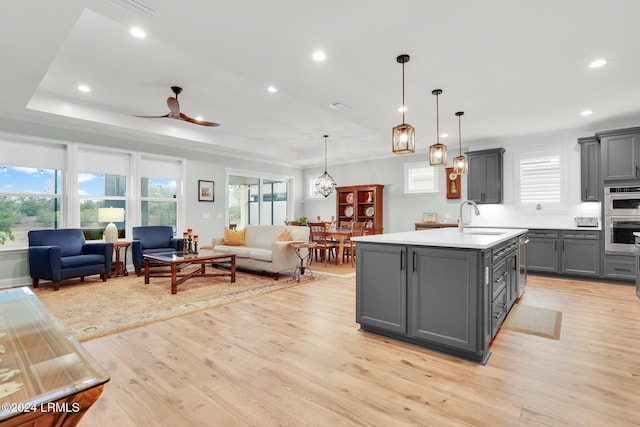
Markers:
{"x": 441, "y": 289}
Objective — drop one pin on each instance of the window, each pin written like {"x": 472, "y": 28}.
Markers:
{"x": 160, "y": 191}
{"x": 420, "y": 178}
{"x": 312, "y": 191}
{"x": 29, "y": 200}
{"x": 257, "y": 199}
{"x": 540, "y": 181}
{"x": 31, "y": 188}
{"x": 97, "y": 191}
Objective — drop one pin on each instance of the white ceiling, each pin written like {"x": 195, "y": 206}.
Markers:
{"x": 515, "y": 68}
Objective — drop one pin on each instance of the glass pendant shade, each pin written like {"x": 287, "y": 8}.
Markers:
{"x": 437, "y": 152}
{"x": 325, "y": 183}
{"x": 404, "y": 139}
{"x": 460, "y": 163}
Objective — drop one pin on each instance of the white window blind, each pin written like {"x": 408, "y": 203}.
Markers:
{"x": 420, "y": 178}
{"x": 540, "y": 180}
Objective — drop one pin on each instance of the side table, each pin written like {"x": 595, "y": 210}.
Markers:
{"x": 304, "y": 258}
{"x": 119, "y": 268}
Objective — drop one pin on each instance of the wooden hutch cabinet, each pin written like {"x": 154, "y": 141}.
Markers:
{"x": 361, "y": 203}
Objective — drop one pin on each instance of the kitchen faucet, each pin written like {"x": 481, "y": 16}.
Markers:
{"x": 460, "y": 221}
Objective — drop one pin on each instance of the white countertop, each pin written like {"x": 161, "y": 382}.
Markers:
{"x": 472, "y": 238}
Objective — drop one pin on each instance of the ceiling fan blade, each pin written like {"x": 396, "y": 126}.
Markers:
{"x": 197, "y": 122}
{"x": 152, "y": 117}
{"x": 174, "y": 106}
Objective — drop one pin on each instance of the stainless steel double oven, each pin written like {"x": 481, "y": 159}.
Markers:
{"x": 621, "y": 218}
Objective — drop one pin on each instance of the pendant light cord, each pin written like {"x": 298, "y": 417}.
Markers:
{"x": 325, "y": 153}
{"x": 460, "y": 134}
{"x": 403, "y": 106}
{"x": 437, "y": 119}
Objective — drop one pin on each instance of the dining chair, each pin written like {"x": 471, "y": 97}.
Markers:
{"x": 318, "y": 235}
{"x": 350, "y": 245}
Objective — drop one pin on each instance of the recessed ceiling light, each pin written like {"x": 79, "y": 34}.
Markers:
{"x": 444, "y": 135}
{"x": 597, "y": 63}
{"x": 272, "y": 89}
{"x": 586, "y": 113}
{"x": 403, "y": 109}
{"x": 137, "y": 32}
{"x": 84, "y": 88}
{"x": 319, "y": 56}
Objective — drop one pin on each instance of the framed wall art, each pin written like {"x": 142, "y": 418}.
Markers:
{"x": 429, "y": 217}
{"x": 453, "y": 185}
{"x": 205, "y": 191}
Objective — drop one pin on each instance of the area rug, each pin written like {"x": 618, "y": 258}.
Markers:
{"x": 94, "y": 308}
{"x": 342, "y": 270}
{"x": 528, "y": 319}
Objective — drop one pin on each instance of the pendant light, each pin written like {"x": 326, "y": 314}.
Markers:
{"x": 460, "y": 162}
{"x": 437, "y": 152}
{"x": 325, "y": 183}
{"x": 403, "y": 137}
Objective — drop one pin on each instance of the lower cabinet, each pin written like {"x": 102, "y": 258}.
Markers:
{"x": 542, "y": 251}
{"x": 581, "y": 253}
{"x": 381, "y": 286}
{"x": 570, "y": 252}
{"x": 440, "y": 298}
{"x": 620, "y": 267}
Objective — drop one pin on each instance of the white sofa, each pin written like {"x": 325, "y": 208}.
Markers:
{"x": 262, "y": 252}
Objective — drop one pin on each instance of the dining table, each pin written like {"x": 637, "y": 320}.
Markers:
{"x": 340, "y": 235}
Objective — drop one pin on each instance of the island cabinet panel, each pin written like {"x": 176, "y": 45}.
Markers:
{"x": 443, "y": 297}
{"x": 382, "y": 302}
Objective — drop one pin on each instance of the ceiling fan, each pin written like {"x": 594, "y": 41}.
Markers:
{"x": 174, "y": 111}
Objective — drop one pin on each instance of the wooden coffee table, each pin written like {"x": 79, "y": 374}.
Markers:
{"x": 179, "y": 260}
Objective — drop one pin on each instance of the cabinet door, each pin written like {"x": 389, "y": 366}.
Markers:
{"x": 589, "y": 170}
{"x": 542, "y": 254}
{"x": 443, "y": 296}
{"x": 493, "y": 178}
{"x": 620, "y": 157}
{"x": 381, "y": 286}
{"x": 581, "y": 257}
{"x": 513, "y": 276}
{"x": 475, "y": 179}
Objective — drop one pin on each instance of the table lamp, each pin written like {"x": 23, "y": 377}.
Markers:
{"x": 111, "y": 215}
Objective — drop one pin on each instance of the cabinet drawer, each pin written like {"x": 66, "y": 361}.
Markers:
{"x": 498, "y": 312}
{"x": 550, "y": 234}
{"x": 590, "y": 235}
{"x": 620, "y": 267}
{"x": 499, "y": 279}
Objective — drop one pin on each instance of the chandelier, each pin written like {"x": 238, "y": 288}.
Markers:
{"x": 325, "y": 183}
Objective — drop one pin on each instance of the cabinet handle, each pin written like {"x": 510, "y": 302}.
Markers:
{"x": 622, "y": 269}
{"x": 563, "y": 246}
{"x": 585, "y": 194}
{"x": 401, "y": 260}
{"x": 414, "y": 262}
{"x": 555, "y": 245}
{"x": 636, "y": 172}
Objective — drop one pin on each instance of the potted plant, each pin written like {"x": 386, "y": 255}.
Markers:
{"x": 303, "y": 220}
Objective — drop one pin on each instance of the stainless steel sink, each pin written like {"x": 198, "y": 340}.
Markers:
{"x": 485, "y": 233}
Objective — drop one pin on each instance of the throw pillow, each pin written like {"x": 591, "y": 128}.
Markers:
{"x": 284, "y": 236}
{"x": 233, "y": 238}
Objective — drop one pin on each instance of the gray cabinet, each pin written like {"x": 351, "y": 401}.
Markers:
{"x": 589, "y": 169}
{"x": 580, "y": 253}
{"x": 542, "y": 251}
{"x": 620, "y": 154}
{"x": 434, "y": 297}
{"x": 484, "y": 182}
{"x": 382, "y": 303}
{"x": 443, "y": 297}
{"x": 620, "y": 267}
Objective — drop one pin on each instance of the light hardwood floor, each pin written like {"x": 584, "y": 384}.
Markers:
{"x": 295, "y": 357}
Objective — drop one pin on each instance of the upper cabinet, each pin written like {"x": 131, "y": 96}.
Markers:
{"x": 589, "y": 169}
{"x": 620, "y": 154}
{"x": 361, "y": 203}
{"x": 484, "y": 181}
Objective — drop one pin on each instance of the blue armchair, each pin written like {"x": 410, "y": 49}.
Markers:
{"x": 152, "y": 239}
{"x": 64, "y": 254}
